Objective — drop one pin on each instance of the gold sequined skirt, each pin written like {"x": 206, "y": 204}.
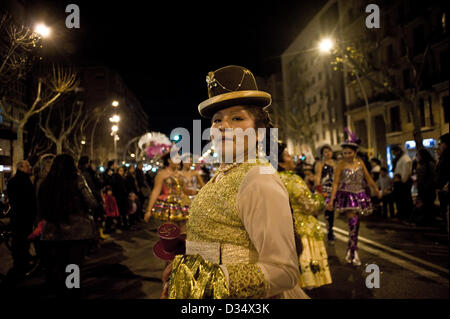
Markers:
{"x": 313, "y": 262}
{"x": 170, "y": 210}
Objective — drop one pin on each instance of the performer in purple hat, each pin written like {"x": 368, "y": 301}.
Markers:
{"x": 349, "y": 195}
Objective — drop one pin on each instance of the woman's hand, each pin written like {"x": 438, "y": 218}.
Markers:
{"x": 165, "y": 280}
{"x": 330, "y": 206}
{"x": 147, "y": 216}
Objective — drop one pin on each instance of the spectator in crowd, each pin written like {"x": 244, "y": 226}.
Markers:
{"x": 89, "y": 174}
{"x": 120, "y": 192}
{"x": 426, "y": 187}
{"x": 108, "y": 175}
{"x": 385, "y": 185}
{"x": 403, "y": 167}
{"x": 401, "y": 190}
{"x": 375, "y": 163}
{"x": 22, "y": 198}
{"x": 442, "y": 177}
{"x": 65, "y": 203}
{"x": 143, "y": 186}
{"x": 111, "y": 209}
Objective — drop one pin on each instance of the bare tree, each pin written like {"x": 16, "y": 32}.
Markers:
{"x": 67, "y": 119}
{"x": 49, "y": 90}
{"x": 75, "y": 141}
{"x": 17, "y": 47}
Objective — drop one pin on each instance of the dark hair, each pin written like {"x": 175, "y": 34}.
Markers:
{"x": 56, "y": 194}
{"x": 110, "y": 164}
{"x": 445, "y": 138}
{"x": 396, "y": 148}
{"x": 281, "y": 148}
{"x": 165, "y": 159}
{"x": 384, "y": 169}
{"x": 83, "y": 161}
{"x": 376, "y": 160}
{"x": 323, "y": 148}
{"x": 262, "y": 119}
{"x": 425, "y": 157}
{"x": 398, "y": 176}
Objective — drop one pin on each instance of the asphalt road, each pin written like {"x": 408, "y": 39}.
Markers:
{"x": 413, "y": 263}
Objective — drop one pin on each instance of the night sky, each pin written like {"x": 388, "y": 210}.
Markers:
{"x": 164, "y": 50}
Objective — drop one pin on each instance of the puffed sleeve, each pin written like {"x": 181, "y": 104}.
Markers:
{"x": 302, "y": 200}
{"x": 263, "y": 206}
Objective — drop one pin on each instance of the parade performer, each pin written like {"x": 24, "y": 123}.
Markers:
{"x": 168, "y": 201}
{"x": 191, "y": 178}
{"x": 324, "y": 182}
{"x": 313, "y": 261}
{"x": 240, "y": 235}
{"x": 349, "y": 193}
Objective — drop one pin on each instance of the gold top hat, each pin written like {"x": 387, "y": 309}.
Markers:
{"x": 230, "y": 86}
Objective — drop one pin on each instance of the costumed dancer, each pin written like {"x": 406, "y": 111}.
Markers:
{"x": 240, "y": 231}
{"x": 349, "y": 193}
{"x": 167, "y": 201}
{"x": 324, "y": 183}
{"x": 313, "y": 261}
{"x": 191, "y": 178}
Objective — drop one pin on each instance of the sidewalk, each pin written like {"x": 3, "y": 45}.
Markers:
{"x": 123, "y": 267}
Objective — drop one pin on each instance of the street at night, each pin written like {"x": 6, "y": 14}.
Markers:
{"x": 263, "y": 150}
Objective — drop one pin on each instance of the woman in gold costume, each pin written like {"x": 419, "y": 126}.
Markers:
{"x": 167, "y": 200}
{"x": 313, "y": 261}
{"x": 240, "y": 235}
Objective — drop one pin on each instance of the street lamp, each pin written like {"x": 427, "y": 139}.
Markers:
{"x": 326, "y": 46}
{"x": 114, "y": 119}
{"x": 42, "y": 30}
{"x": 115, "y": 103}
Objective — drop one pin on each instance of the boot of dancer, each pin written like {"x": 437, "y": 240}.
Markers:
{"x": 353, "y": 225}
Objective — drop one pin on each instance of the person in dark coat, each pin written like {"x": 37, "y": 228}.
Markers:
{"x": 144, "y": 188}
{"x": 426, "y": 186}
{"x": 22, "y": 198}
{"x": 108, "y": 175}
{"x": 120, "y": 192}
{"x": 65, "y": 203}
{"x": 89, "y": 174}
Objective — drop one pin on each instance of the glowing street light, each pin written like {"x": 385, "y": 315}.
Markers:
{"x": 114, "y": 119}
{"x": 42, "y": 30}
{"x": 115, "y": 103}
{"x": 114, "y": 128}
{"x": 326, "y": 45}
{"x": 83, "y": 142}
{"x": 132, "y": 155}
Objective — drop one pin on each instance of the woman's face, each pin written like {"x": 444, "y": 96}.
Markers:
{"x": 120, "y": 171}
{"x": 227, "y": 121}
{"x": 131, "y": 169}
{"x": 348, "y": 154}
{"x": 288, "y": 162}
{"x": 187, "y": 164}
{"x": 327, "y": 154}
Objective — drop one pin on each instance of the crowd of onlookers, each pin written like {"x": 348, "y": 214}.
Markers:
{"x": 415, "y": 192}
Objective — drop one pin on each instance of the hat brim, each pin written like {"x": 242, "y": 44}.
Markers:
{"x": 212, "y": 105}
{"x": 158, "y": 251}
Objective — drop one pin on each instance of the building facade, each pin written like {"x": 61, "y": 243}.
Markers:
{"x": 313, "y": 92}
{"x": 101, "y": 87}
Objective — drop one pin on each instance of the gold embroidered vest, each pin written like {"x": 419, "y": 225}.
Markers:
{"x": 214, "y": 216}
